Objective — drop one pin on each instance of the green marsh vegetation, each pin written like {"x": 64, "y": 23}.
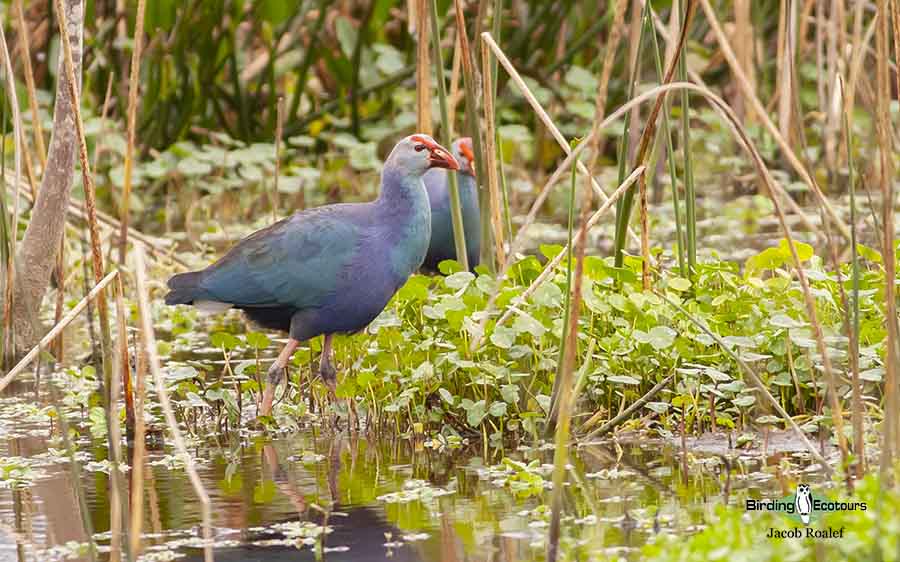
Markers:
{"x": 685, "y": 298}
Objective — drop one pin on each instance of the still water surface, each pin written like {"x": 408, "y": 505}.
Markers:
{"x": 322, "y": 493}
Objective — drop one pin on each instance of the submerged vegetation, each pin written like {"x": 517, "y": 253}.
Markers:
{"x": 685, "y": 296}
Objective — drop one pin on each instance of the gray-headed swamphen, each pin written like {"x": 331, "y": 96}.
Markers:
{"x": 326, "y": 270}
{"x": 442, "y": 246}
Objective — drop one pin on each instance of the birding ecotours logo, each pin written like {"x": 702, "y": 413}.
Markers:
{"x": 803, "y": 502}
{"x": 804, "y": 507}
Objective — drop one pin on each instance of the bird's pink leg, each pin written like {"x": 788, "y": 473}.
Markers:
{"x": 276, "y": 375}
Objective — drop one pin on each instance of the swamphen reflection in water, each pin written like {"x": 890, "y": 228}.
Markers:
{"x": 442, "y": 246}
{"x": 326, "y": 270}
{"x": 362, "y": 530}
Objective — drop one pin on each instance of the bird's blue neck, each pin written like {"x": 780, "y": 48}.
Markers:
{"x": 401, "y": 193}
{"x": 403, "y": 205}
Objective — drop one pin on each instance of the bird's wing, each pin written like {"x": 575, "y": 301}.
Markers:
{"x": 295, "y": 262}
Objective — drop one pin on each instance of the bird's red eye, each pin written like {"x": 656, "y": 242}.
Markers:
{"x": 420, "y": 147}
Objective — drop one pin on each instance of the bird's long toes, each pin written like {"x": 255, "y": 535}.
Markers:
{"x": 276, "y": 373}
{"x": 329, "y": 375}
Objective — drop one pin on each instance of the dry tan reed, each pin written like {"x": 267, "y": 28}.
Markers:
{"x": 136, "y": 519}
{"x": 133, "y": 87}
{"x": 883, "y": 129}
{"x": 423, "y": 69}
{"x": 117, "y": 493}
{"x": 29, "y": 83}
{"x": 859, "y": 441}
{"x": 10, "y": 266}
{"x": 609, "y": 59}
{"x": 490, "y": 156}
{"x": 279, "y": 131}
{"x": 149, "y": 339}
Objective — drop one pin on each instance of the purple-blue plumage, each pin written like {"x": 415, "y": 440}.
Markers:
{"x": 331, "y": 269}
{"x": 442, "y": 245}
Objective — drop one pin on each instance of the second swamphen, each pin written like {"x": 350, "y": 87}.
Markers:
{"x": 326, "y": 270}
{"x": 442, "y": 246}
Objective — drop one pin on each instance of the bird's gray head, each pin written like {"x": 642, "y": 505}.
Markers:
{"x": 419, "y": 152}
{"x": 463, "y": 151}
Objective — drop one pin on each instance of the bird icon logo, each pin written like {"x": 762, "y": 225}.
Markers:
{"x": 803, "y": 502}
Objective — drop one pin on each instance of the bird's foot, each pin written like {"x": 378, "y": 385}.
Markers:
{"x": 276, "y": 374}
{"x": 329, "y": 376}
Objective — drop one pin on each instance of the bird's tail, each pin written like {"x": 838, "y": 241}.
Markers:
{"x": 185, "y": 288}
{"x": 805, "y": 518}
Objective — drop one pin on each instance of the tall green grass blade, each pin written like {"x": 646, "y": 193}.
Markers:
{"x": 469, "y": 66}
{"x": 504, "y": 187}
{"x": 563, "y": 339}
{"x": 459, "y": 236}
{"x": 626, "y": 203}
{"x": 690, "y": 197}
{"x": 670, "y": 154}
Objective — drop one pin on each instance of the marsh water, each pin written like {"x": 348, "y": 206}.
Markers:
{"x": 322, "y": 492}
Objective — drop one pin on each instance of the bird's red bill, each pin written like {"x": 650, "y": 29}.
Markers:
{"x": 439, "y": 157}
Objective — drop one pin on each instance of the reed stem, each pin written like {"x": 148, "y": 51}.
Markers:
{"x": 690, "y": 196}
{"x": 623, "y": 208}
{"x": 10, "y": 232}
{"x": 559, "y": 379}
{"x": 423, "y": 70}
{"x": 24, "y": 48}
{"x": 136, "y": 521}
{"x": 566, "y": 398}
{"x": 279, "y": 131}
{"x": 133, "y": 88}
{"x": 490, "y": 151}
{"x": 886, "y": 181}
{"x": 149, "y": 339}
{"x": 470, "y": 86}
{"x": 670, "y": 157}
{"x": 459, "y": 235}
